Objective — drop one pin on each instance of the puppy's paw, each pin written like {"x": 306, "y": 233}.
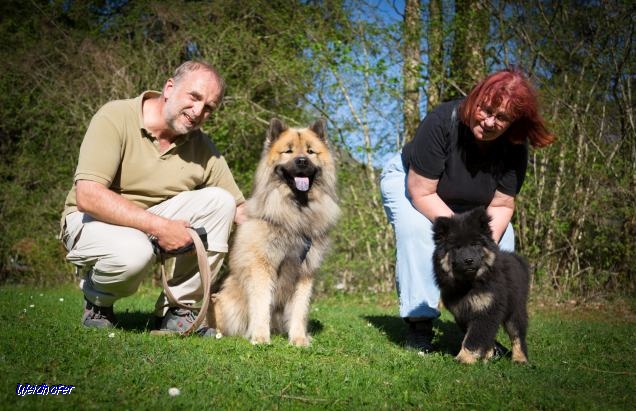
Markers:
{"x": 466, "y": 356}
{"x": 519, "y": 358}
{"x": 518, "y": 354}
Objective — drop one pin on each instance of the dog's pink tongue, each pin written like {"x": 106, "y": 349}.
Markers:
{"x": 302, "y": 183}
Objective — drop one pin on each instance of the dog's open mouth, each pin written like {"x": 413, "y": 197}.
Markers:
{"x": 298, "y": 174}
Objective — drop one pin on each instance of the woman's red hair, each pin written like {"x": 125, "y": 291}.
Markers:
{"x": 511, "y": 85}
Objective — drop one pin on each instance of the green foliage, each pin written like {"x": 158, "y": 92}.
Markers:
{"x": 362, "y": 257}
{"x": 48, "y": 97}
{"x": 575, "y": 216}
{"x": 356, "y": 361}
{"x": 578, "y": 207}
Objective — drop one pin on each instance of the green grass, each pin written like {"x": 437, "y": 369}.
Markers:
{"x": 581, "y": 360}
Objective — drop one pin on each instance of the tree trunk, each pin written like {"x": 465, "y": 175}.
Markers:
{"x": 411, "y": 67}
{"x": 471, "y": 35}
{"x": 435, "y": 54}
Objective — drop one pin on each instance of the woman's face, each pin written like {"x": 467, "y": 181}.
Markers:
{"x": 490, "y": 122}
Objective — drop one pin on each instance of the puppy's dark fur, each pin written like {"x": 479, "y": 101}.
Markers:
{"x": 480, "y": 285}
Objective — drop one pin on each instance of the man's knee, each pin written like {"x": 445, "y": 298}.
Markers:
{"x": 218, "y": 200}
{"x": 127, "y": 260}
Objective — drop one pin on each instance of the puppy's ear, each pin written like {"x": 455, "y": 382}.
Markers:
{"x": 319, "y": 127}
{"x": 480, "y": 216}
{"x": 441, "y": 227}
{"x": 276, "y": 127}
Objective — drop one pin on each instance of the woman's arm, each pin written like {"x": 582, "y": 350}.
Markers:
{"x": 500, "y": 210}
{"x": 423, "y": 192}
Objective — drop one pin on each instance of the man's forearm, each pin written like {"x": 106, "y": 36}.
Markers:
{"x": 105, "y": 205}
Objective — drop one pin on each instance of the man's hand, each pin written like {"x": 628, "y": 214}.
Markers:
{"x": 173, "y": 234}
{"x": 241, "y": 213}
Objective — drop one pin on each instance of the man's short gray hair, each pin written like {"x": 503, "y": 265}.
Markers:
{"x": 194, "y": 65}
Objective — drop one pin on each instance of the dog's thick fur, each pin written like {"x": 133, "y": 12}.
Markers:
{"x": 480, "y": 285}
{"x": 277, "y": 250}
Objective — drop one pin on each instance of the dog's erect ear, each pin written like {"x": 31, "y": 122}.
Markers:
{"x": 484, "y": 221}
{"x": 441, "y": 227}
{"x": 480, "y": 217}
{"x": 276, "y": 127}
{"x": 320, "y": 128}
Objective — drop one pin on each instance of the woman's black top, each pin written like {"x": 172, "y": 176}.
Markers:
{"x": 468, "y": 171}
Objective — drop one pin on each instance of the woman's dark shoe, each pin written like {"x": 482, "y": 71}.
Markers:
{"x": 419, "y": 335}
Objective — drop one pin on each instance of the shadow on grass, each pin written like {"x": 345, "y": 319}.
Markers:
{"x": 143, "y": 321}
{"x": 448, "y": 337}
{"x": 135, "y": 321}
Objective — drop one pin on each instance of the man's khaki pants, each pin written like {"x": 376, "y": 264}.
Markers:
{"x": 120, "y": 256}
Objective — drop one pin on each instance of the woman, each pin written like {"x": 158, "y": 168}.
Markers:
{"x": 466, "y": 153}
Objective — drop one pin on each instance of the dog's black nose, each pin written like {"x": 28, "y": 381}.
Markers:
{"x": 302, "y": 162}
{"x": 468, "y": 261}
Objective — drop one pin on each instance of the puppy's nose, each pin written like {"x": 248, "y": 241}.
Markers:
{"x": 468, "y": 261}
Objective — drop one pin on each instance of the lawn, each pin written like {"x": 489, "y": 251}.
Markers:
{"x": 582, "y": 358}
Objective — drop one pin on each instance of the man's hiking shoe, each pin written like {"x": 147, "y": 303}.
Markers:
{"x": 179, "y": 320}
{"x": 98, "y": 317}
{"x": 419, "y": 335}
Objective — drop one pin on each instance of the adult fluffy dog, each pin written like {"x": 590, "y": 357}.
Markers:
{"x": 480, "y": 285}
{"x": 277, "y": 250}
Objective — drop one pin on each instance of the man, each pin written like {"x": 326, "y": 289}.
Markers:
{"x": 147, "y": 172}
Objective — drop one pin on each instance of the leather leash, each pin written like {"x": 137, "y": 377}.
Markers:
{"x": 206, "y": 278}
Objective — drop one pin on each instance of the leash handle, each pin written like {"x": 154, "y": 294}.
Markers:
{"x": 204, "y": 272}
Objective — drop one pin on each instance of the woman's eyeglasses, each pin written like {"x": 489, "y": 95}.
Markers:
{"x": 501, "y": 119}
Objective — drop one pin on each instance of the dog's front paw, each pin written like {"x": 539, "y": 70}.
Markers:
{"x": 300, "y": 340}
{"x": 519, "y": 357}
{"x": 466, "y": 356}
{"x": 518, "y": 354}
{"x": 260, "y": 339}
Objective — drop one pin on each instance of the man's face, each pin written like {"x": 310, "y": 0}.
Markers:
{"x": 190, "y": 100}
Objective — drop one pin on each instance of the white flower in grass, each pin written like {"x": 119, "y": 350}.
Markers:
{"x": 111, "y": 335}
{"x": 174, "y": 391}
{"x": 61, "y": 299}
{"x": 32, "y": 305}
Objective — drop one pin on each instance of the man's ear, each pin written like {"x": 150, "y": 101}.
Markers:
{"x": 168, "y": 88}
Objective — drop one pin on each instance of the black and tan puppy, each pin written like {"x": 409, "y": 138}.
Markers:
{"x": 480, "y": 285}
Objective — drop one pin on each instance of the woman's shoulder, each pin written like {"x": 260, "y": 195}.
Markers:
{"x": 442, "y": 114}
{"x": 447, "y": 106}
